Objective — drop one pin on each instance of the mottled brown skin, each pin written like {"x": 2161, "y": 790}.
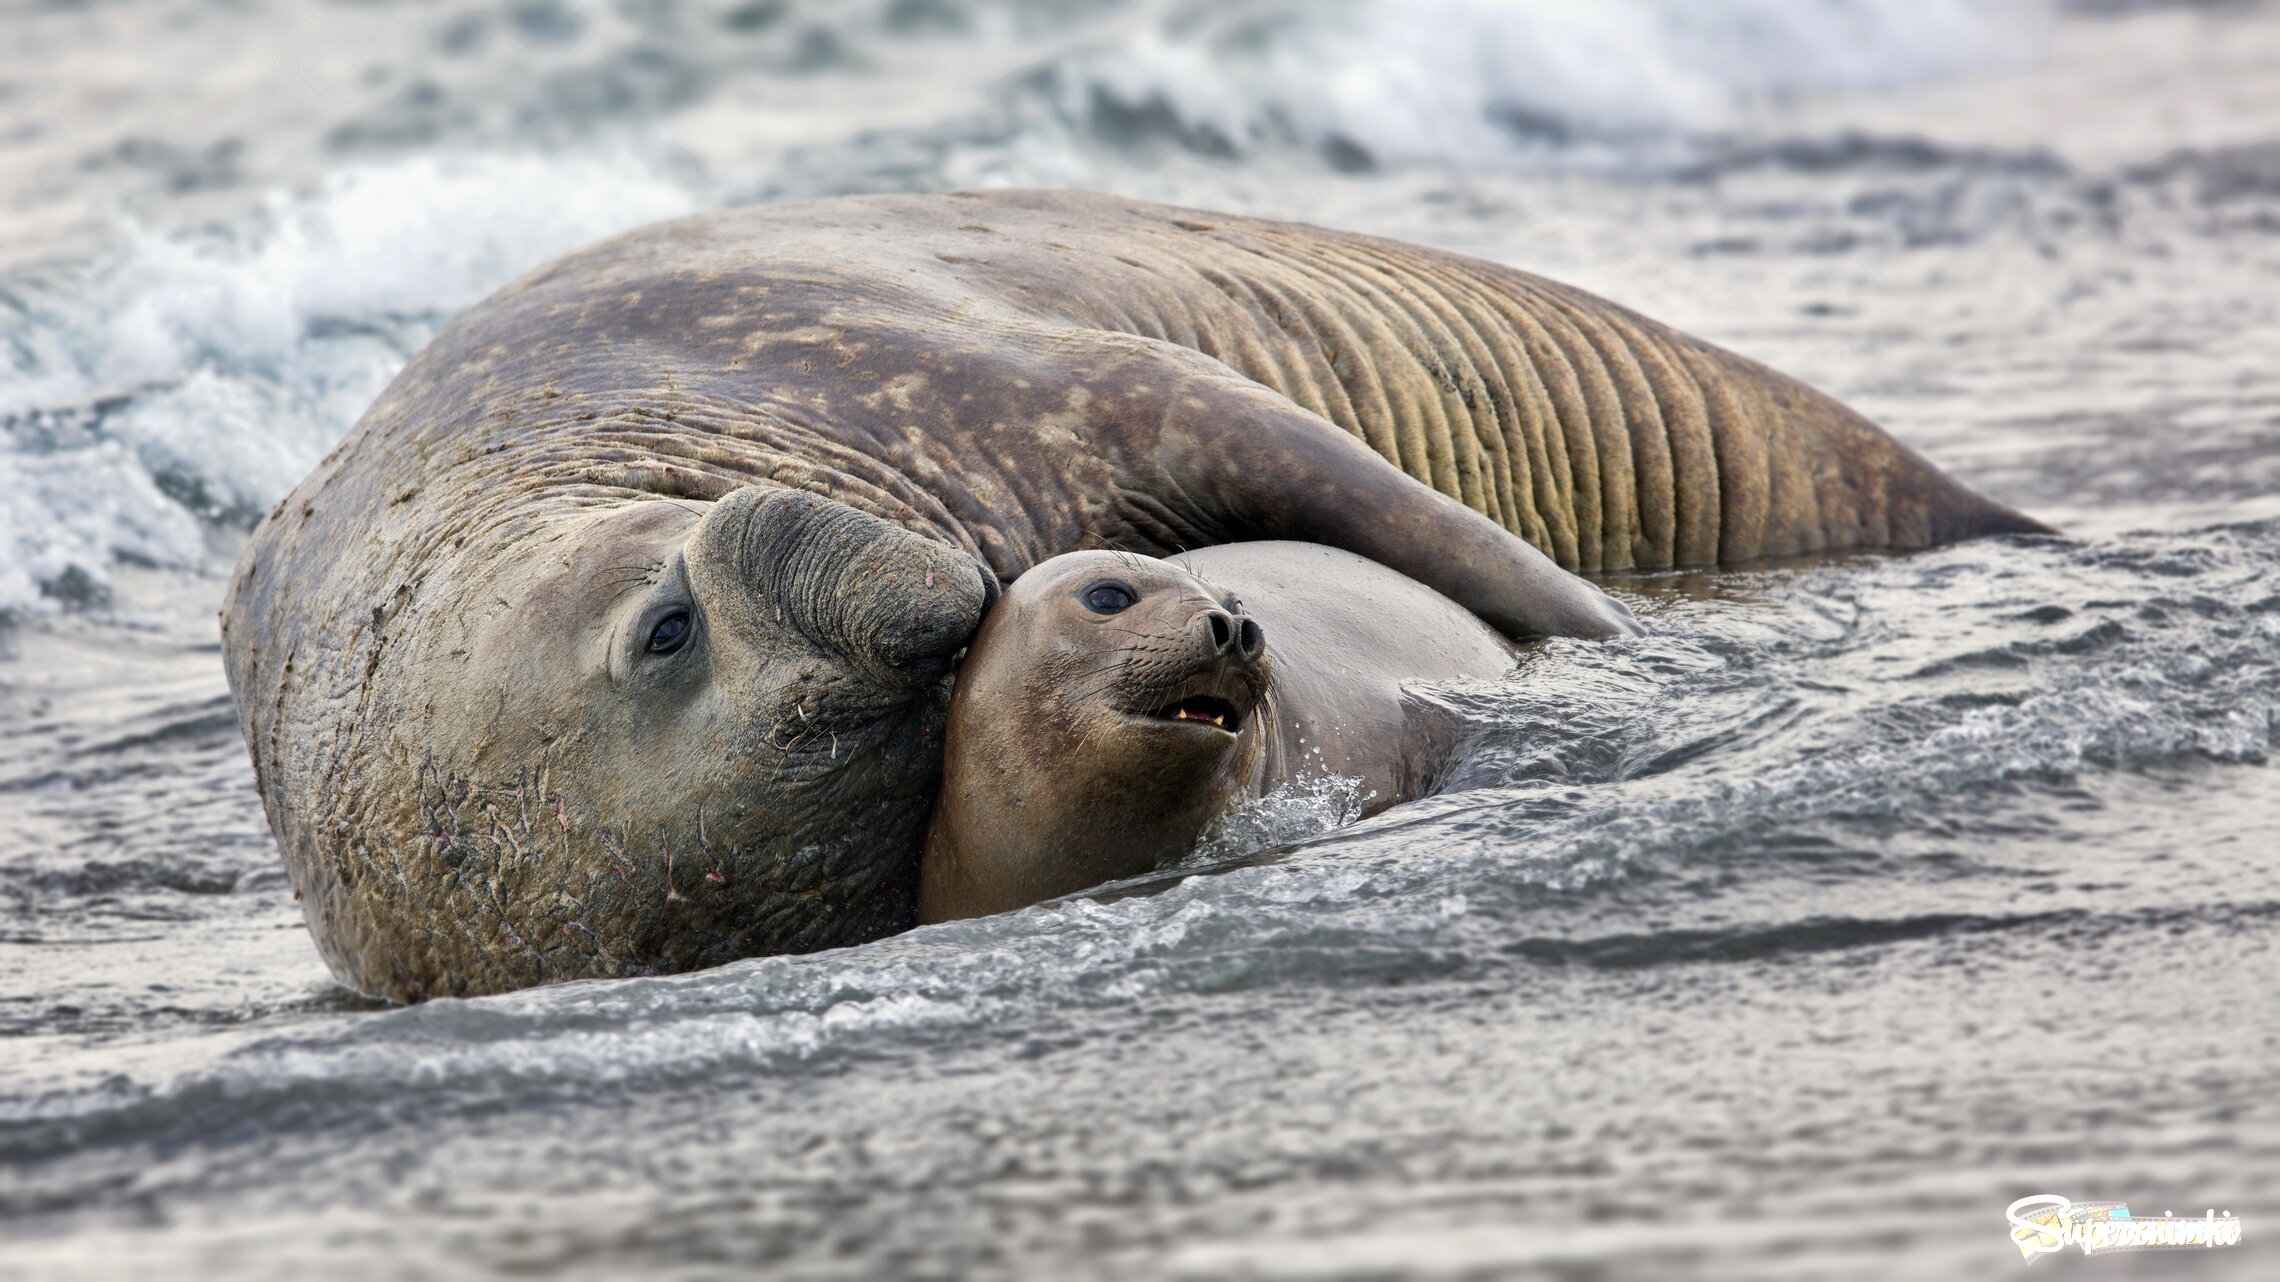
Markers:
{"x": 823, "y": 431}
{"x": 1067, "y": 761}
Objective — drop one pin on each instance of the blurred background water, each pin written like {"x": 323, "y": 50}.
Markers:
{"x": 1795, "y": 940}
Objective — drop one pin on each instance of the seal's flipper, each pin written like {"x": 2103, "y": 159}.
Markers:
{"x": 1237, "y": 460}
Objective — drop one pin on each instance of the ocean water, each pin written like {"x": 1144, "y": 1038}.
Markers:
{"x": 1793, "y": 940}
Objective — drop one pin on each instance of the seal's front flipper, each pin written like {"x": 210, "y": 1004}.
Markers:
{"x": 1238, "y": 460}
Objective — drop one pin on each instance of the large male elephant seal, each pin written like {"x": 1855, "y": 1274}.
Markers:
{"x": 1112, "y": 707}
{"x": 615, "y": 638}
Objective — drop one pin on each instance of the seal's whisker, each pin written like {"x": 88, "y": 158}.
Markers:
{"x": 1160, "y": 634}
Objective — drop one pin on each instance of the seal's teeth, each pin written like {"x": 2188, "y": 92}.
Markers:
{"x": 1208, "y": 710}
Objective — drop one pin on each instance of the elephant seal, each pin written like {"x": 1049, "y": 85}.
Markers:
{"x": 1112, "y": 706}
{"x": 614, "y": 639}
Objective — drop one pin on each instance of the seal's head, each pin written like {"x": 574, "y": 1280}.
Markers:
{"x": 621, "y": 738}
{"x": 1110, "y": 706}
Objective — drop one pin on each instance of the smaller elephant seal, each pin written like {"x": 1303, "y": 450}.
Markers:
{"x": 1112, "y": 706}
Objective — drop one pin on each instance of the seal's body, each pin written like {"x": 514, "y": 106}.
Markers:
{"x": 1112, "y": 706}
{"x": 615, "y": 638}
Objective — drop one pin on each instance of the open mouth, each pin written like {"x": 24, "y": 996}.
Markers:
{"x": 1205, "y": 708}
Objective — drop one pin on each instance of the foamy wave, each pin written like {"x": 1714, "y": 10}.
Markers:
{"x": 1469, "y": 81}
{"x": 68, "y": 518}
{"x": 204, "y": 375}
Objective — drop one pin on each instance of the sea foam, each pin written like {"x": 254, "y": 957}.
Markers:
{"x": 1479, "y": 82}
{"x": 190, "y": 378}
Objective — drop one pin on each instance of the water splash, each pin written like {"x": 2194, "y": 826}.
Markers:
{"x": 1301, "y": 809}
{"x": 191, "y": 378}
{"x": 1486, "y": 82}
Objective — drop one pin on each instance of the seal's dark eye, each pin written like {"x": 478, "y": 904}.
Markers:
{"x": 670, "y": 633}
{"x": 1110, "y": 597}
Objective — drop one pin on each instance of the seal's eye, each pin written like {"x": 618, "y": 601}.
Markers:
{"x": 1109, "y": 597}
{"x": 670, "y": 634}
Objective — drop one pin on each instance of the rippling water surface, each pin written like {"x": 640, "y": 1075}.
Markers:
{"x": 1794, "y": 940}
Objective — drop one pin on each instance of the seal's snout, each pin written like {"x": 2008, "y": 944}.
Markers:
{"x": 920, "y": 638}
{"x": 893, "y": 603}
{"x": 1234, "y": 636}
{"x": 933, "y": 635}
{"x": 1221, "y": 629}
{"x": 1222, "y": 683}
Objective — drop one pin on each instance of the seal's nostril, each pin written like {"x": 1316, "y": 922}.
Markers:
{"x": 1249, "y": 640}
{"x": 1222, "y": 630}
